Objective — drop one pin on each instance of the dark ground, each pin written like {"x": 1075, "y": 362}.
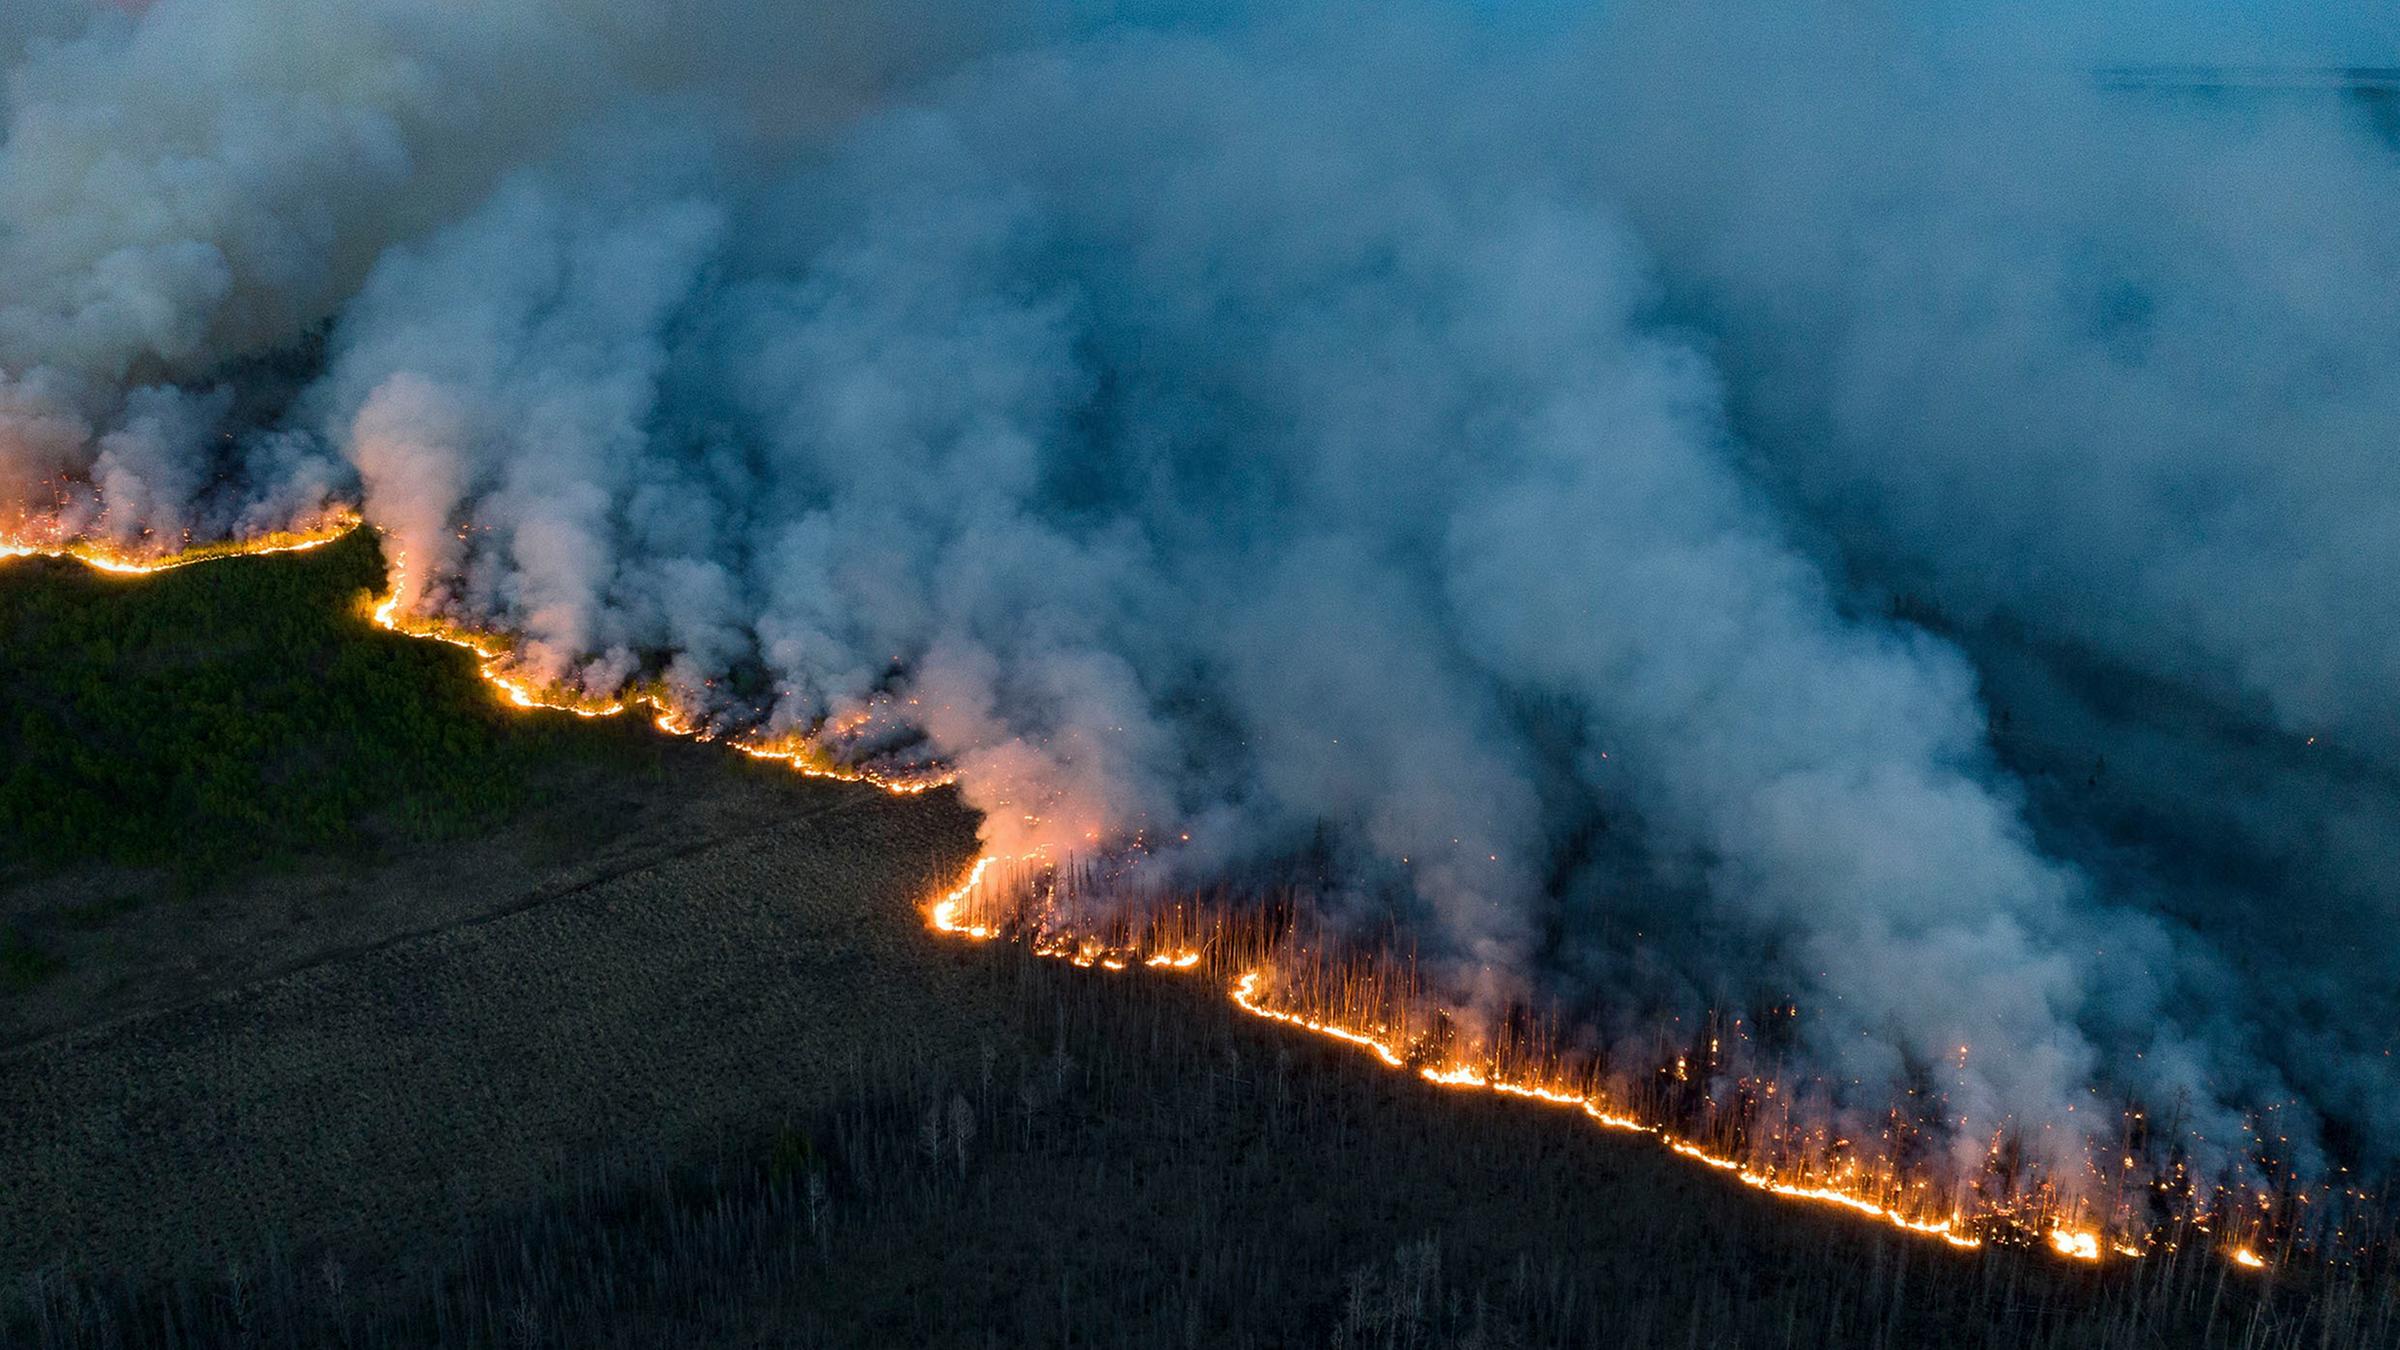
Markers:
{"x": 635, "y": 1044}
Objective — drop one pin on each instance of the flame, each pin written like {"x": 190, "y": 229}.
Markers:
{"x": 494, "y": 659}
{"x": 803, "y": 757}
{"x": 1376, "y": 1010}
{"x": 948, "y": 913}
{"x": 113, "y": 560}
{"x": 1246, "y": 997}
{"x": 2243, "y": 1256}
{"x": 496, "y": 663}
{"x": 2076, "y": 1244}
{"x": 944, "y": 911}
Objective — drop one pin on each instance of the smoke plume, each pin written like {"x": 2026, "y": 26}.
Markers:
{"x": 1697, "y": 499}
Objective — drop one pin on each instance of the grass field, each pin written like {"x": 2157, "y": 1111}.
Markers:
{"x": 637, "y": 1044}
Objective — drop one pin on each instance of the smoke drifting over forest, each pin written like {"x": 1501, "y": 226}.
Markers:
{"x": 1859, "y": 501}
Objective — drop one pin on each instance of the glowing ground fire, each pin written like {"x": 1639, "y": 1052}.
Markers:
{"x": 1246, "y": 996}
{"x": 114, "y": 560}
{"x": 948, "y": 914}
{"x": 496, "y": 663}
{"x": 1180, "y": 943}
{"x": 1187, "y": 945}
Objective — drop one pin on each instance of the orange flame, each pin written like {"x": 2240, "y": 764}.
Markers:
{"x": 497, "y": 665}
{"x": 949, "y": 914}
{"x": 2075, "y": 1244}
{"x": 495, "y": 656}
{"x": 1366, "y": 1011}
{"x": 108, "y": 558}
{"x": 1246, "y": 997}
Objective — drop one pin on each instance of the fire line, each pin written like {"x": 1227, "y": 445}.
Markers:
{"x": 495, "y": 658}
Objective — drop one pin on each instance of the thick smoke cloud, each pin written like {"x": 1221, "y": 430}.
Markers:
{"x": 2108, "y": 382}
{"x": 1436, "y": 440}
{"x": 208, "y": 182}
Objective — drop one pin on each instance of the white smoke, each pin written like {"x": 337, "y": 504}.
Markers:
{"x": 206, "y": 182}
{"x": 1220, "y": 434}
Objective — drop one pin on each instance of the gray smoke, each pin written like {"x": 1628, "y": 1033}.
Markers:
{"x": 193, "y": 183}
{"x": 1439, "y": 438}
{"x": 2105, "y": 381}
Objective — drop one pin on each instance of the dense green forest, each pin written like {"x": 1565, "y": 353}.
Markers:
{"x": 216, "y": 719}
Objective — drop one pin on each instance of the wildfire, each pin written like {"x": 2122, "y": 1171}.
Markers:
{"x": 1246, "y": 996}
{"x": 945, "y": 910}
{"x": 497, "y": 664}
{"x": 1176, "y": 942}
{"x": 496, "y": 657}
{"x": 494, "y": 660}
{"x": 108, "y": 558}
{"x": 951, "y": 913}
{"x": 2075, "y": 1245}
{"x": 1357, "y": 1010}
{"x": 803, "y": 757}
